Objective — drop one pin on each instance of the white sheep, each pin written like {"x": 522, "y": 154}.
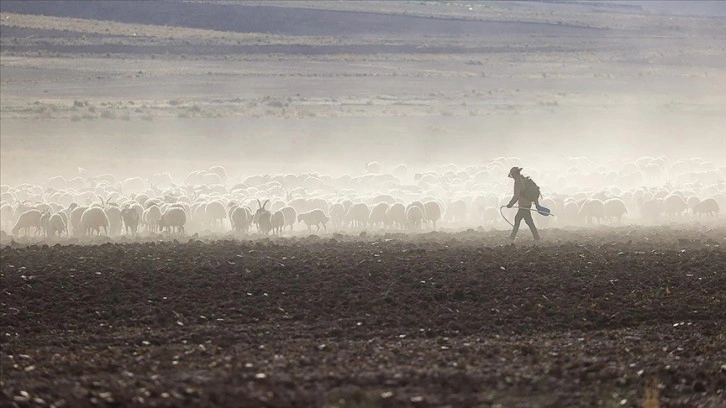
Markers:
{"x": 592, "y": 208}
{"x": 93, "y": 219}
{"x": 56, "y": 225}
{"x": 456, "y": 212}
{"x": 162, "y": 180}
{"x": 28, "y": 219}
{"x": 337, "y": 214}
{"x": 7, "y": 216}
{"x": 378, "y": 214}
{"x": 674, "y": 205}
{"x": 432, "y": 211}
{"x": 74, "y": 214}
{"x": 358, "y": 215}
{"x": 151, "y": 217}
{"x": 418, "y": 204}
{"x": 173, "y": 217}
{"x": 56, "y": 183}
{"x": 614, "y": 208}
{"x": 114, "y": 218}
{"x": 708, "y": 207}
{"x": 414, "y": 217}
{"x": 134, "y": 185}
{"x": 396, "y": 216}
{"x": 373, "y": 167}
{"x": 131, "y": 219}
{"x": 692, "y": 202}
{"x": 277, "y": 222}
{"x": 241, "y": 219}
{"x": 219, "y": 171}
{"x": 290, "y": 216}
{"x": 315, "y": 217}
{"x": 215, "y": 213}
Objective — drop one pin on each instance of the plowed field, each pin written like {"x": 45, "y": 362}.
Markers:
{"x": 587, "y": 318}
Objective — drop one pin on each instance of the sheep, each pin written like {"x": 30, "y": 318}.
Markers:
{"x": 130, "y": 218}
{"x": 29, "y": 218}
{"x": 387, "y": 198}
{"x": 134, "y": 185}
{"x": 56, "y": 224}
{"x": 44, "y": 218}
{"x": 337, "y": 214}
{"x": 174, "y": 217}
{"x": 215, "y": 213}
{"x": 373, "y": 167}
{"x": 432, "y": 211}
{"x": 7, "y": 216}
{"x": 358, "y": 215}
{"x": 151, "y": 217}
{"x": 162, "y": 180}
{"x": 220, "y": 172}
{"x": 241, "y": 219}
{"x": 290, "y": 217}
{"x": 56, "y": 183}
{"x": 592, "y": 208}
{"x": 396, "y": 216}
{"x": 708, "y": 207}
{"x": 674, "y": 204}
{"x": 414, "y": 217}
{"x": 315, "y": 217}
{"x": 378, "y": 214}
{"x": 614, "y": 208}
{"x": 277, "y": 222}
{"x": 114, "y": 218}
{"x": 400, "y": 171}
{"x": 93, "y": 219}
{"x": 75, "y": 213}
{"x": 210, "y": 179}
{"x": 692, "y": 202}
{"x": 456, "y": 211}
{"x": 418, "y": 204}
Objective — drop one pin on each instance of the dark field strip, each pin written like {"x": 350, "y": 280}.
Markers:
{"x": 443, "y": 319}
{"x": 285, "y": 20}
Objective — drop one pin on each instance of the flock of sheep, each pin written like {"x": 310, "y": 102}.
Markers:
{"x": 646, "y": 190}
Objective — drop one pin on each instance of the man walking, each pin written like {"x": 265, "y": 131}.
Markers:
{"x": 524, "y": 201}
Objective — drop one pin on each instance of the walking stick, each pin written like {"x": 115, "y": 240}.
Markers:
{"x": 540, "y": 210}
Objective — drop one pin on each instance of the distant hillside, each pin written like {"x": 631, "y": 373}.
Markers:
{"x": 278, "y": 20}
{"x": 701, "y": 8}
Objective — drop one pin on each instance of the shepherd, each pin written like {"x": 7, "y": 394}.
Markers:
{"x": 526, "y": 192}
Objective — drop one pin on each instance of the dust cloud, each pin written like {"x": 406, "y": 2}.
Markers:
{"x": 536, "y": 81}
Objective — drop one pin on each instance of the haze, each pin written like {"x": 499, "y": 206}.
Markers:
{"x": 133, "y": 89}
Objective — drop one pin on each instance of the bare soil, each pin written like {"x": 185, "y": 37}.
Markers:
{"x": 434, "y": 320}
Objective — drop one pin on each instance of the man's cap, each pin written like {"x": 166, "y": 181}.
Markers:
{"x": 514, "y": 170}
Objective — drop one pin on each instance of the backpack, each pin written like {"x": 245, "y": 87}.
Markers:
{"x": 531, "y": 190}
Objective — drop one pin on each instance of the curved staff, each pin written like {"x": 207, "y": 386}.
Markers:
{"x": 541, "y": 210}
